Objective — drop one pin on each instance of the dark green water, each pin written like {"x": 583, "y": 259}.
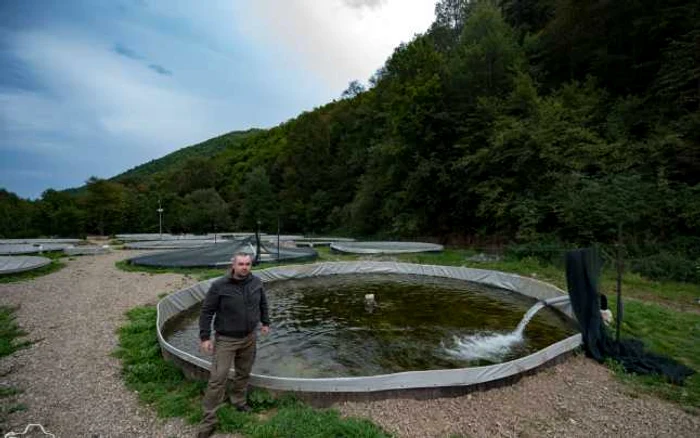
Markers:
{"x": 323, "y": 327}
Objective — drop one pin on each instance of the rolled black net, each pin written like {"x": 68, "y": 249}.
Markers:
{"x": 582, "y": 274}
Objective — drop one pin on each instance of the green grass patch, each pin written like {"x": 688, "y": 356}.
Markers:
{"x": 679, "y": 296}
{"x": 669, "y": 332}
{"x": 10, "y": 332}
{"x": 200, "y": 274}
{"x": 9, "y": 391}
{"x": 163, "y": 386}
{"x": 55, "y": 265}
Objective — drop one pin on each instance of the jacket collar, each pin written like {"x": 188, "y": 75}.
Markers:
{"x": 243, "y": 280}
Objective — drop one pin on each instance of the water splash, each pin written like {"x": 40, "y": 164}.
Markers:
{"x": 491, "y": 346}
{"x": 528, "y": 316}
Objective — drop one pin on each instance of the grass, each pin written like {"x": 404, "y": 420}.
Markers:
{"x": 669, "y": 332}
{"x": 200, "y": 274}
{"x": 163, "y": 386}
{"x": 10, "y": 334}
{"x": 664, "y": 315}
{"x": 55, "y": 265}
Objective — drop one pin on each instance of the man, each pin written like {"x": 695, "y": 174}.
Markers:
{"x": 238, "y": 300}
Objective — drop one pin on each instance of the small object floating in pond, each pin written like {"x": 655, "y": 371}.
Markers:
{"x": 370, "y": 303}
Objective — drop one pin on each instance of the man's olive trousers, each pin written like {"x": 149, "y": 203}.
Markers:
{"x": 239, "y": 352}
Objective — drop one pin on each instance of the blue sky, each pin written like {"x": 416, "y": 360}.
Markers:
{"x": 92, "y": 87}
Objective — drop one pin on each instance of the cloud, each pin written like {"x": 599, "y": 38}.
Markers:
{"x": 359, "y": 4}
{"x": 160, "y": 69}
{"x": 125, "y": 51}
{"x": 337, "y": 42}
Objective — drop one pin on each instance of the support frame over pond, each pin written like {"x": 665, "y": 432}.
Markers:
{"x": 438, "y": 382}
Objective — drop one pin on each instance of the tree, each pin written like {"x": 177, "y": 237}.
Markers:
{"x": 104, "y": 205}
{"x": 16, "y": 216}
{"x": 204, "y": 211}
{"x": 488, "y": 56}
{"x": 258, "y": 202}
{"x": 354, "y": 88}
{"x": 60, "y": 215}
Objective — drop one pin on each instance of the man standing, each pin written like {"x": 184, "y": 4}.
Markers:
{"x": 238, "y": 300}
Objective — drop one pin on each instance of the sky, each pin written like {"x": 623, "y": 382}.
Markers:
{"x": 96, "y": 87}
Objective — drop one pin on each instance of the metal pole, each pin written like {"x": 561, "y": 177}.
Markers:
{"x": 160, "y": 220}
{"x": 278, "y": 239}
{"x": 257, "y": 240}
{"x": 619, "y": 282}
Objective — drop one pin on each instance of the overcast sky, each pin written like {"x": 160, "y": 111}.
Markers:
{"x": 92, "y": 87}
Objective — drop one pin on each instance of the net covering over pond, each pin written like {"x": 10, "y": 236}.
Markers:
{"x": 220, "y": 255}
{"x": 173, "y": 243}
{"x": 144, "y": 237}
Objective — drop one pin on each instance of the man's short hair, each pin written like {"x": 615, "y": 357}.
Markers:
{"x": 241, "y": 254}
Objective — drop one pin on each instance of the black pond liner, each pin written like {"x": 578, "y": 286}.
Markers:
{"x": 218, "y": 255}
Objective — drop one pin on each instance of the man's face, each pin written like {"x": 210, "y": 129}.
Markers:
{"x": 241, "y": 266}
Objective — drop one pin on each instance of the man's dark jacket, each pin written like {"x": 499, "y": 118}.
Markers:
{"x": 239, "y": 305}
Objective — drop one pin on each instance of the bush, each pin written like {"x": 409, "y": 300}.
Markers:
{"x": 667, "y": 266}
{"x": 547, "y": 251}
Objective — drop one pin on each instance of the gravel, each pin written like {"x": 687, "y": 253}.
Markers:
{"x": 577, "y": 398}
{"x": 71, "y": 383}
{"x": 72, "y": 386}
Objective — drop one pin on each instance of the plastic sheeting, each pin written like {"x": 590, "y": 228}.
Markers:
{"x": 13, "y": 264}
{"x": 172, "y": 244}
{"x": 282, "y": 237}
{"x": 33, "y": 241}
{"x": 143, "y": 237}
{"x": 385, "y": 247}
{"x": 178, "y": 302}
{"x": 87, "y": 250}
{"x": 33, "y": 249}
{"x": 220, "y": 255}
{"x": 321, "y": 241}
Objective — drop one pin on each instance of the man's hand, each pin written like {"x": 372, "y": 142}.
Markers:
{"x": 207, "y": 346}
{"x": 265, "y": 329}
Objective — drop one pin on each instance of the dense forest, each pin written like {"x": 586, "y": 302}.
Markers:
{"x": 512, "y": 121}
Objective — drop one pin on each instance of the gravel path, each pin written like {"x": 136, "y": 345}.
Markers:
{"x": 577, "y": 398}
{"x": 72, "y": 384}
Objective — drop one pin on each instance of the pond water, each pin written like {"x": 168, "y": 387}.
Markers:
{"x": 326, "y": 327}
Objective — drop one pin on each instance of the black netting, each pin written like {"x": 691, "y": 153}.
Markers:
{"x": 220, "y": 255}
{"x": 582, "y": 273}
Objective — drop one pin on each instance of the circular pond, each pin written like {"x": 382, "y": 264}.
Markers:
{"x": 373, "y": 326}
{"x": 328, "y": 327}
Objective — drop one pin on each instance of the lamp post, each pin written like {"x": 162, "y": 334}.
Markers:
{"x": 160, "y": 220}
{"x": 257, "y": 242}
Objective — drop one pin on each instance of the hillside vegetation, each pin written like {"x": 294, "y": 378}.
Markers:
{"x": 532, "y": 122}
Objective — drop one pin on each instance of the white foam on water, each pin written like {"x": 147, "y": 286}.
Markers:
{"x": 484, "y": 346}
{"x": 489, "y": 345}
